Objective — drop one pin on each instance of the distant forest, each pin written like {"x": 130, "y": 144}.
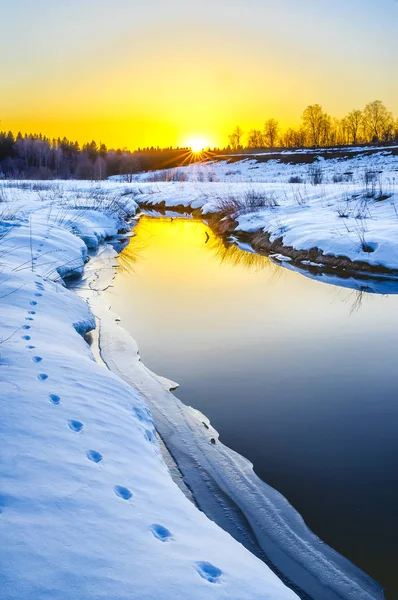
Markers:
{"x": 34, "y": 156}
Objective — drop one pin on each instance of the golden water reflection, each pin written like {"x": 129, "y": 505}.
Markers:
{"x": 184, "y": 237}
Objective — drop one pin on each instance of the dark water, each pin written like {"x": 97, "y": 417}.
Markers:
{"x": 299, "y": 376}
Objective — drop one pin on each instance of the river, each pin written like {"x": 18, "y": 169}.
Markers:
{"x": 298, "y": 376}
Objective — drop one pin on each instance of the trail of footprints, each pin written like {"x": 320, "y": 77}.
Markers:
{"x": 206, "y": 570}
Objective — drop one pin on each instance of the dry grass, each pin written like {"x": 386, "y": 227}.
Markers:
{"x": 252, "y": 201}
{"x": 167, "y": 175}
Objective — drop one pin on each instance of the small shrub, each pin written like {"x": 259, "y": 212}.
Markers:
{"x": 360, "y": 229}
{"x": 129, "y": 177}
{"x": 281, "y": 227}
{"x": 371, "y": 178}
{"x": 3, "y": 195}
{"x": 374, "y": 185}
{"x": 167, "y": 175}
{"x": 343, "y": 210}
{"x": 226, "y": 207}
{"x": 316, "y": 174}
{"x": 342, "y": 177}
{"x": 211, "y": 177}
{"x": 48, "y": 192}
{"x": 252, "y": 201}
{"x": 298, "y": 197}
{"x": 179, "y": 175}
{"x": 338, "y": 178}
{"x": 295, "y": 179}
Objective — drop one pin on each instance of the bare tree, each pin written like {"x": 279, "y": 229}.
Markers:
{"x": 271, "y": 128}
{"x": 378, "y": 121}
{"x": 294, "y": 138}
{"x": 353, "y": 122}
{"x": 255, "y": 139}
{"x": 317, "y": 124}
{"x": 235, "y": 138}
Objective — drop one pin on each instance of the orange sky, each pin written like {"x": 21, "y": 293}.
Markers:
{"x": 134, "y": 73}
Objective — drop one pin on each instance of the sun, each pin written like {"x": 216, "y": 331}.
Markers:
{"x": 197, "y": 144}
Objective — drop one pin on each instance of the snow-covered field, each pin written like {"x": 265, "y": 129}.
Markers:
{"x": 88, "y": 506}
{"x": 350, "y": 167}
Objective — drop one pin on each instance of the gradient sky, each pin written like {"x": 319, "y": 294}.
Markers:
{"x": 160, "y": 72}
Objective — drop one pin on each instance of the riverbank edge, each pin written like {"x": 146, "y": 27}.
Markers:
{"x": 313, "y": 260}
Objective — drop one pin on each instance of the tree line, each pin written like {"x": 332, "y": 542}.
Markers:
{"x": 374, "y": 124}
{"x": 34, "y": 156}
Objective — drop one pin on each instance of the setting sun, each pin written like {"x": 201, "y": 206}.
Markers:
{"x": 198, "y": 144}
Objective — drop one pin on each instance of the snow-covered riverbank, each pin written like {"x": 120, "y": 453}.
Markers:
{"x": 85, "y": 483}
{"x": 341, "y": 212}
{"x": 88, "y": 507}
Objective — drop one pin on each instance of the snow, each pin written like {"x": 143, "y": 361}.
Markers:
{"x": 88, "y": 507}
{"x": 250, "y": 168}
{"x": 337, "y": 216}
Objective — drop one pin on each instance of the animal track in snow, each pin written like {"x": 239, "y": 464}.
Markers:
{"x": 29, "y": 319}
{"x": 161, "y": 533}
{"x": 208, "y": 571}
{"x": 37, "y": 295}
{"x": 30, "y": 347}
{"x": 142, "y": 414}
{"x": 31, "y": 312}
{"x": 33, "y": 303}
{"x": 42, "y": 376}
{"x": 25, "y": 326}
{"x": 75, "y": 426}
{"x": 54, "y": 399}
{"x": 122, "y": 492}
{"x": 37, "y": 359}
{"x": 94, "y": 456}
{"x": 26, "y": 337}
{"x": 151, "y": 437}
